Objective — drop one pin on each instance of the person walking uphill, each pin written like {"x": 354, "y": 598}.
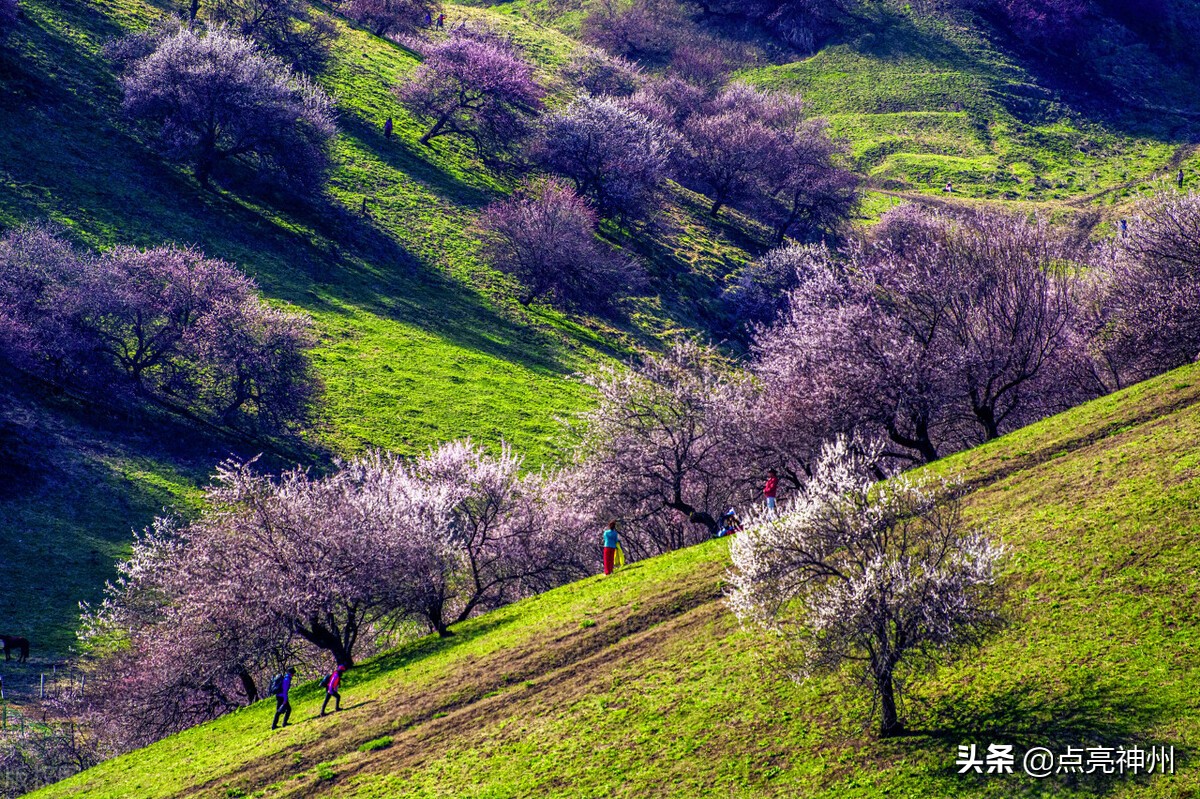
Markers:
{"x": 332, "y": 682}
{"x": 281, "y": 684}
{"x": 611, "y": 541}
{"x": 771, "y": 488}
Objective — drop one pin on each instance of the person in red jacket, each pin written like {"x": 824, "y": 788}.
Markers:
{"x": 771, "y": 489}
{"x": 332, "y": 682}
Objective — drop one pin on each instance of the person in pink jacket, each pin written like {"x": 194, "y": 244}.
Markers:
{"x": 332, "y": 682}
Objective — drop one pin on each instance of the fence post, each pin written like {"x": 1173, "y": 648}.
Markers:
{"x": 42, "y": 686}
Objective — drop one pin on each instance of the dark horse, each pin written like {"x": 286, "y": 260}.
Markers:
{"x": 12, "y": 642}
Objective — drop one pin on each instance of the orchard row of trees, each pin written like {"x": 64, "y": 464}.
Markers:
{"x": 165, "y": 325}
{"x": 615, "y": 146}
{"x": 305, "y": 569}
{"x": 289, "y": 30}
{"x": 209, "y": 97}
{"x": 936, "y": 333}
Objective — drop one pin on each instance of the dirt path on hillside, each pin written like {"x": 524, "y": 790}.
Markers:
{"x": 480, "y": 692}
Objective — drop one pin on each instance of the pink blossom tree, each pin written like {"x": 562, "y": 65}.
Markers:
{"x": 391, "y": 17}
{"x": 544, "y": 235}
{"x": 1143, "y": 308}
{"x": 643, "y": 29}
{"x": 941, "y": 333}
{"x": 501, "y": 544}
{"x": 476, "y": 86}
{"x": 613, "y": 155}
{"x": 806, "y": 192}
{"x": 43, "y": 281}
{"x": 760, "y": 291}
{"x": 289, "y": 29}
{"x": 167, "y": 325}
{"x": 658, "y": 451}
{"x": 734, "y": 140}
{"x": 299, "y": 568}
{"x": 1008, "y": 317}
{"x": 885, "y": 579}
{"x": 602, "y": 75}
{"x": 213, "y": 97}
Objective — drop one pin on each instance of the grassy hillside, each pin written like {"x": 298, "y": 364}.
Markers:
{"x": 925, "y": 95}
{"x": 642, "y": 685}
{"x": 419, "y": 342}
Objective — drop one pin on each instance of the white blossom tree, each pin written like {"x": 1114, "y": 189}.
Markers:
{"x": 881, "y": 580}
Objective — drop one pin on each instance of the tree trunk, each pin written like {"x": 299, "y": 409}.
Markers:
{"x": 715, "y": 208}
{"x": 696, "y": 516}
{"x": 889, "y": 724}
{"x": 248, "y": 686}
{"x": 920, "y": 440}
{"x": 322, "y": 637}
{"x": 987, "y": 419}
{"x": 193, "y": 10}
{"x": 435, "y": 130}
{"x": 204, "y": 167}
{"x": 437, "y": 619}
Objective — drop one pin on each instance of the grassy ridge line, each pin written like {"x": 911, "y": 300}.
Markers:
{"x": 641, "y": 685}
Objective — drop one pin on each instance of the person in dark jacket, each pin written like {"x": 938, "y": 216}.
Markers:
{"x": 282, "y": 706}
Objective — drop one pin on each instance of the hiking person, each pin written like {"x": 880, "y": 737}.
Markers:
{"x": 730, "y": 524}
{"x": 387, "y": 128}
{"x": 281, "y": 684}
{"x": 428, "y": 20}
{"x": 612, "y": 540}
{"x": 771, "y": 489}
{"x": 332, "y": 681}
{"x": 1124, "y": 228}
{"x": 1179, "y": 180}
{"x": 441, "y": 21}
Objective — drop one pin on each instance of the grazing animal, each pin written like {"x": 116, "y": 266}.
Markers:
{"x": 12, "y": 642}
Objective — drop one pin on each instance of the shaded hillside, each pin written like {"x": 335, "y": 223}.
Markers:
{"x": 419, "y": 341}
{"x": 642, "y": 685}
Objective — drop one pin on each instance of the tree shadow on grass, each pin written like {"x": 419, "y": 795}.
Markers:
{"x": 410, "y": 159}
{"x": 431, "y": 645}
{"x": 1084, "y": 715}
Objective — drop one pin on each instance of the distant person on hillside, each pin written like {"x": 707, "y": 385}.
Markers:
{"x": 1179, "y": 180}
{"x": 332, "y": 682}
{"x": 428, "y": 20}
{"x": 441, "y": 21}
{"x": 730, "y": 524}
{"x": 771, "y": 489}
{"x": 281, "y": 684}
{"x": 612, "y": 540}
{"x": 387, "y": 128}
{"x": 1124, "y": 228}
{"x": 948, "y": 188}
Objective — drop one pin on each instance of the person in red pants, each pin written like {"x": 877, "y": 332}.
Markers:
{"x": 611, "y": 539}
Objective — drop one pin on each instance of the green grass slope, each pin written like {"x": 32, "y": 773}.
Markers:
{"x": 418, "y": 342}
{"x": 925, "y": 100}
{"x": 642, "y": 684}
